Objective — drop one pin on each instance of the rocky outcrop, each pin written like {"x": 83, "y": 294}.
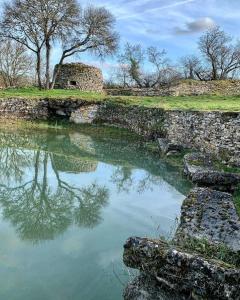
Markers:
{"x": 147, "y": 122}
{"x": 24, "y": 109}
{"x": 211, "y": 215}
{"x": 200, "y": 169}
{"x": 188, "y": 274}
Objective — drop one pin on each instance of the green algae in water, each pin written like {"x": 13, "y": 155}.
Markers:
{"x": 69, "y": 199}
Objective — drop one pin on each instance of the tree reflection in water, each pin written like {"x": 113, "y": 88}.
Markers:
{"x": 124, "y": 180}
{"x": 41, "y": 204}
{"x": 38, "y": 210}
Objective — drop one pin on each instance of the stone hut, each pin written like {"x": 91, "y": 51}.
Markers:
{"x": 80, "y": 76}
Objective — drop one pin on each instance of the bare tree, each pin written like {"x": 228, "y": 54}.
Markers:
{"x": 163, "y": 72}
{"x": 135, "y": 57}
{"x": 122, "y": 75}
{"x": 15, "y": 63}
{"x": 190, "y": 65}
{"x": 94, "y": 32}
{"x": 222, "y": 57}
{"x": 54, "y": 18}
{"x": 36, "y": 23}
{"x": 20, "y": 23}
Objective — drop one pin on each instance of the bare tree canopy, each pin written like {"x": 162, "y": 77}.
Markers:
{"x": 36, "y": 24}
{"x": 15, "y": 63}
{"x": 221, "y": 55}
{"x": 135, "y": 57}
{"x": 190, "y": 65}
{"x": 20, "y": 22}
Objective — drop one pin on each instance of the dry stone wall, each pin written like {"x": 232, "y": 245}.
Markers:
{"x": 210, "y": 132}
{"x": 216, "y": 133}
{"x": 24, "y": 109}
{"x": 185, "y": 88}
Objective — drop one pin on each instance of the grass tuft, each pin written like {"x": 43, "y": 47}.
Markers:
{"x": 218, "y": 252}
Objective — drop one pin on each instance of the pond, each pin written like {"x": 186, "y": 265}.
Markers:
{"x": 69, "y": 199}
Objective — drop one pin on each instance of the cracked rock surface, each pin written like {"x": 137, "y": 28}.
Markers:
{"x": 185, "y": 273}
{"x": 211, "y": 215}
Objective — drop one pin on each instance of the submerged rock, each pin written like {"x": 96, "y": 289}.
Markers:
{"x": 200, "y": 169}
{"x": 185, "y": 273}
{"x": 211, "y": 215}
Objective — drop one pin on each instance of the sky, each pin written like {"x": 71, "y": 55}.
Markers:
{"x": 173, "y": 25}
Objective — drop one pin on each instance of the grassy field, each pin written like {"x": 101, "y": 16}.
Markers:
{"x": 203, "y": 103}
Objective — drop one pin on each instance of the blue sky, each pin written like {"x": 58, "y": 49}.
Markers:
{"x": 173, "y": 25}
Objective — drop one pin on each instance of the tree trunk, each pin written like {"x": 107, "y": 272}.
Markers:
{"x": 191, "y": 73}
{"x": 47, "y": 75}
{"x": 214, "y": 71}
{"x": 56, "y": 71}
{"x": 38, "y": 70}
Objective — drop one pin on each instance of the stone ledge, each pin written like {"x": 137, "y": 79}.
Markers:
{"x": 182, "y": 272}
{"x": 200, "y": 169}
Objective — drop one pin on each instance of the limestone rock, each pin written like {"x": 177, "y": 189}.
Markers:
{"x": 211, "y": 215}
{"x": 85, "y": 114}
{"x": 196, "y": 162}
{"x": 185, "y": 273}
{"x": 146, "y": 287}
{"x": 217, "y": 180}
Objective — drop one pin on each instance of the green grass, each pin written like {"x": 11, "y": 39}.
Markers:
{"x": 219, "y": 252}
{"x": 224, "y": 168}
{"x": 201, "y": 103}
{"x": 35, "y": 93}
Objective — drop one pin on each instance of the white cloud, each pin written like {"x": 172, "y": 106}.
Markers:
{"x": 198, "y": 25}
{"x": 155, "y": 9}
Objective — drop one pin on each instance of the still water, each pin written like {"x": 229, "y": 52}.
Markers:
{"x": 69, "y": 198}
